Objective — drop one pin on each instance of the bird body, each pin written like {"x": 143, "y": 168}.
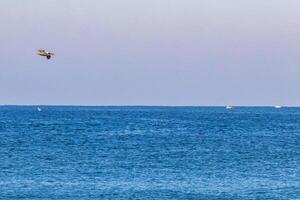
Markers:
{"x": 45, "y": 53}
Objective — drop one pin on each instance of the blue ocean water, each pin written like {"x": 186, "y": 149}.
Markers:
{"x": 149, "y": 153}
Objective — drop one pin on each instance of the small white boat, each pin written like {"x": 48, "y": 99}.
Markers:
{"x": 229, "y": 107}
{"x": 39, "y": 109}
{"x": 277, "y": 107}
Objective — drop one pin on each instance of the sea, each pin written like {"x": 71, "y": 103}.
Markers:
{"x": 147, "y": 153}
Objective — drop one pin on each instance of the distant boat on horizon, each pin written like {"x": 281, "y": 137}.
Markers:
{"x": 277, "y": 107}
{"x": 229, "y": 107}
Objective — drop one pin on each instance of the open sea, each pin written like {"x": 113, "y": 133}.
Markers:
{"x": 146, "y": 153}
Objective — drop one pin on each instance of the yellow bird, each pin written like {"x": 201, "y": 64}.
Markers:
{"x": 45, "y": 53}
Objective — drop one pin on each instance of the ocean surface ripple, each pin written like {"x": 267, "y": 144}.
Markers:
{"x": 147, "y": 153}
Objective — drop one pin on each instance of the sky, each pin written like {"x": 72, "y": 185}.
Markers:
{"x": 158, "y": 52}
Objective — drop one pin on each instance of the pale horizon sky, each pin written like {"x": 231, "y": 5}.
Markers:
{"x": 159, "y": 52}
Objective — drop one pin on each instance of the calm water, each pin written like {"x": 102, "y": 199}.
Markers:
{"x": 149, "y": 153}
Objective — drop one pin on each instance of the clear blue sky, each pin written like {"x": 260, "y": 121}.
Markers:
{"x": 158, "y": 52}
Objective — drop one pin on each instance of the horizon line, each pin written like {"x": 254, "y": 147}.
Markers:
{"x": 144, "y": 105}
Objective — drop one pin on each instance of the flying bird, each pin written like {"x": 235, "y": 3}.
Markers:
{"x": 45, "y": 53}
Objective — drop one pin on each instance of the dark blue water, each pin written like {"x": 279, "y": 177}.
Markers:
{"x": 149, "y": 153}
